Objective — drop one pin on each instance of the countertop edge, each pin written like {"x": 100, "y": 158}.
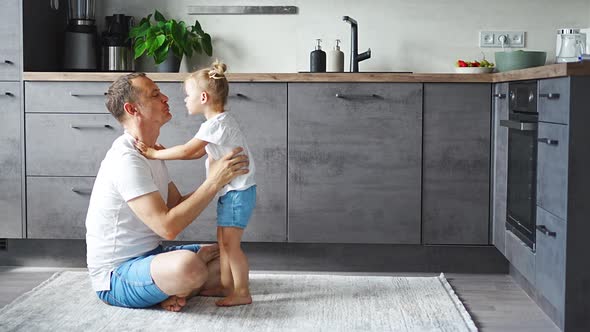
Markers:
{"x": 547, "y": 71}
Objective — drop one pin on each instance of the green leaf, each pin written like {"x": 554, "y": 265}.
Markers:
{"x": 197, "y": 28}
{"x": 159, "y": 17}
{"x": 161, "y": 54}
{"x": 140, "y": 47}
{"x": 206, "y": 43}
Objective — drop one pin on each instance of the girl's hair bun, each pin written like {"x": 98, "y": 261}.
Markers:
{"x": 218, "y": 70}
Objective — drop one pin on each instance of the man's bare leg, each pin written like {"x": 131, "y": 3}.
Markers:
{"x": 239, "y": 268}
{"x": 182, "y": 273}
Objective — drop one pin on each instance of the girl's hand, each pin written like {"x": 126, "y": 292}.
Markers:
{"x": 145, "y": 150}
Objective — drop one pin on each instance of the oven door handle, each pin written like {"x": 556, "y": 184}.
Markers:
{"x": 519, "y": 125}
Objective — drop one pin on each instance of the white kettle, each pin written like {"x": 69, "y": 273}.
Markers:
{"x": 571, "y": 44}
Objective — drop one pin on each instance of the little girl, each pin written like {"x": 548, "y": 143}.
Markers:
{"x": 206, "y": 93}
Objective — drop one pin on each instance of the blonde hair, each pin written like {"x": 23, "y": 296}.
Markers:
{"x": 213, "y": 81}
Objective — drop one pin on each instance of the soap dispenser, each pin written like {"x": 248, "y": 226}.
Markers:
{"x": 336, "y": 59}
{"x": 317, "y": 59}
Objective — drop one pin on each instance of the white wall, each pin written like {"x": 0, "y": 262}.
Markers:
{"x": 404, "y": 35}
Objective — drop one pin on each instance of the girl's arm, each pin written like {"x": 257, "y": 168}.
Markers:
{"x": 189, "y": 150}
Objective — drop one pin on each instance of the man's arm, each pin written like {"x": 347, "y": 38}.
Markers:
{"x": 168, "y": 221}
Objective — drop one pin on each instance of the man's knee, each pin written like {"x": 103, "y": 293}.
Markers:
{"x": 191, "y": 269}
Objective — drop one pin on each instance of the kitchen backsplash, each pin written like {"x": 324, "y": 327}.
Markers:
{"x": 417, "y": 36}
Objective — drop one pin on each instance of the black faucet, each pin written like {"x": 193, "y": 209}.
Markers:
{"x": 355, "y": 57}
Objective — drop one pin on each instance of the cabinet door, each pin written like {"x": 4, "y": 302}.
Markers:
{"x": 68, "y": 144}
{"x": 552, "y": 168}
{"x": 57, "y": 207}
{"x": 554, "y": 101}
{"x": 261, "y": 111}
{"x": 550, "y": 258}
{"x": 354, "y": 162}
{"x": 500, "y": 166}
{"x": 10, "y": 35}
{"x": 10, "y": 161}
{"x": 456, "y": 178}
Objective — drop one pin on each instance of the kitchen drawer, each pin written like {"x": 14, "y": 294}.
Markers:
{"x": 550, "y": 258}
{"x": 520, "y": 256}
{"x": 552, "y": 168}
{"x": 66, "y": 97}
{"x": 11, "y": 38}
{"x": 554, "y": 101}
{"x": 57, "y": 206}
{"x": 68, "y": 144}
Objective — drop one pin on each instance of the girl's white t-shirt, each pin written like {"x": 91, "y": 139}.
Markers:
{"x": 223, "y": 134}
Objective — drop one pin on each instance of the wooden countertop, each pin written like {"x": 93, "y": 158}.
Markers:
{"x": 549, "y": 71}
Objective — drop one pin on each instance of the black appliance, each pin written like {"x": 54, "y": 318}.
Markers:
{"x": 80, "y": 42}
{"x": 522, "y": 127}
{"x": 117, "y": 54}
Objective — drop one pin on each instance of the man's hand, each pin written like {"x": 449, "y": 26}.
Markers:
{"x": 222, "y": 171}
{"x": 145, "y": 150}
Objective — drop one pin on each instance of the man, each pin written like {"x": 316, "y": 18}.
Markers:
{"x": 134, "y": 204}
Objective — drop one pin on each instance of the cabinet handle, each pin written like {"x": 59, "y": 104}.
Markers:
{"x": 547, "y": 141}
{"x": 519, "y": 125}
{"x": 7, "y": 94}
{"x": 91, "y": 126}
{"x": 7, "y": 62}
{"x": 77, "y": 94}
{"x": 500, "y": 95}
{"x": 543, "y": 229}
{"x": 82, "y": 191}
{"x": 343, "y": 96}
{"x": 239, "y": 95}
{"x": 549, "y": 95}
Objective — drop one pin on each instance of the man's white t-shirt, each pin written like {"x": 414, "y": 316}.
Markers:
{"x": 114, "y": 234}
{"x": 224, "y": 134}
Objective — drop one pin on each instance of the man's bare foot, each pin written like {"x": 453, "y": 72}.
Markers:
{"x": 208, "y": 253}
{"x": 216, "y": 292}
{"x": 173, "y": 303}
{"x": 234, "y": 300}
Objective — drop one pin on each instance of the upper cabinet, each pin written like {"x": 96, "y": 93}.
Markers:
{"x": 10, "y": 37}
{"x": 456, "y": 163}
{"x": 354, "y": 162}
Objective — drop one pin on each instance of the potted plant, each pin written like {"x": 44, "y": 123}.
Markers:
{"x": 168, "y": 40}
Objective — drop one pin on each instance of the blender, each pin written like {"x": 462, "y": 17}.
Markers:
{"x": 80, "y": 43}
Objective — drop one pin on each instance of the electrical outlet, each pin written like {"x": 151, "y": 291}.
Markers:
{"x": 497, "y": 38}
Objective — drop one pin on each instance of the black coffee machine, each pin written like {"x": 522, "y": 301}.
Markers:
{"x": 117, "y": 54}
{"x": 80, "y": 44}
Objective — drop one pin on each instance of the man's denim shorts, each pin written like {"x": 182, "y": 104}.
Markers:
{"x": 132, "y": 285}
{"x": 234, "y": 209}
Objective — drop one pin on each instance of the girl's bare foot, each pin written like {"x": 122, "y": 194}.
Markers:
{"x": 234, "y": 300}
{"x": 173, "y": 303}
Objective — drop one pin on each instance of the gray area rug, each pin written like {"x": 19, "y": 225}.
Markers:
{"x": 282, "y": 302}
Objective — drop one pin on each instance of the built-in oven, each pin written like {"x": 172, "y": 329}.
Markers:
{"x": 522, "y": 127}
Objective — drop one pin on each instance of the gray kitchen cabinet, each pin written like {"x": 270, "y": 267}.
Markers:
{"x": 66, "y": 97}
{"x": 456, "y": 164}
{"x": 68, "y": 144}
{"x": 57, "y": 206}
{"x": 552, "y": 166}
{"x": 550, "y": 258}
{"x": 553, "y": 104}
{"x": 10, "y": 35}
{"x": 499, "y": 166}
{"x": 10, "y": 161}
{"x": 354, "y": 162}
{"x": 520, "y": 256}
{"x": 261, "y": 111}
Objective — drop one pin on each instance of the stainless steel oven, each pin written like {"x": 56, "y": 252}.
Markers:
{"x": 522, "y": 127}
